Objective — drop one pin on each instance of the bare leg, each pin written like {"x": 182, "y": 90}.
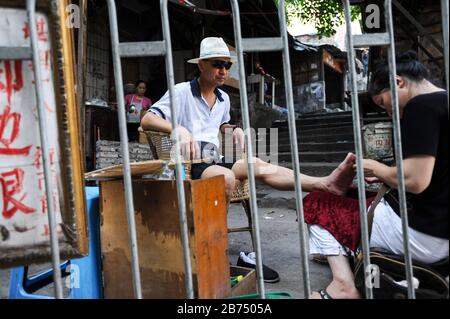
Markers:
{"x": 230, "y": 179}
{"x": 282, "y": 178}
{"x": 343, "y": 284}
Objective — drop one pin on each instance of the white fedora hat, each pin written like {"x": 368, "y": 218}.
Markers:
{"x": 213, "y": 48}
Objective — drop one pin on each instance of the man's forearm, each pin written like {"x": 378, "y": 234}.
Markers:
{"x": 153, "y": 122}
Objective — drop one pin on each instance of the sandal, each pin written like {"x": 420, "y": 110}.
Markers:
{"x": 324, "y": 294}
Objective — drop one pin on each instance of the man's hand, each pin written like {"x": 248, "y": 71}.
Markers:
{"x": 238, "y": 137}
{"x": 189, "y": 147}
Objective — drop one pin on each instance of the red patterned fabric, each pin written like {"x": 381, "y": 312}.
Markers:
{"x": 337, "y": 214}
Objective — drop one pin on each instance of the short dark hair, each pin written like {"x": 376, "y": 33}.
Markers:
{"x": 136, "y": 84}
{"x": 407, "y": 64}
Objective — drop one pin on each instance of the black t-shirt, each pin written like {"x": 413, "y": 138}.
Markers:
{"x": 424, "y": 130}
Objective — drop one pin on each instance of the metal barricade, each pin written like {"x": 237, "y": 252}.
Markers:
{"x": 444, "y": 15}
{"x": 31, "y": 12}
{"x": 32, "y": 53}
{"x": 147, "y": 49}
{"x": 385, "y": 39}
{"x": 264, "y": 45}
{"x": 163, "y": 48}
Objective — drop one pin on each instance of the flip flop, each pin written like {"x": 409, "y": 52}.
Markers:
{"x": 324, "y": 294}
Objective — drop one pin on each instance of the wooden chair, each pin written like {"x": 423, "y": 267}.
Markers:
{"x": 161, "y": 145}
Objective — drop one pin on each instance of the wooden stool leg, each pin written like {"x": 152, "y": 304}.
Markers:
{"x": 246, "y": 205}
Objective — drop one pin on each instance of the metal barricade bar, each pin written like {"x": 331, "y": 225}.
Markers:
{"x": 15, "y": 53}
{"x": 124, "y": 148}
{"x": 139, "y": 50}
{"x": 142, "y": 49}
{"x": 358, "y": 144}
{"x": 397, "y": 143}
{"x": 444, "y": 14}
{"x": 372, "y": 39}
{"x": 398, "y": 149}
{"x": 262, "y": 44}
{"x": 275, "y": 44}
{"x": 31, "y": 11}
{"x": 178, "y": 167}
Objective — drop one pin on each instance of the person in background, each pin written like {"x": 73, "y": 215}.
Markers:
{"x": 136, "y": 105}
{"x": 365, "y": 62}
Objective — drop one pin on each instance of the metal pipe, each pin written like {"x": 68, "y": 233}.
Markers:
{"x": 358, "y": 146}
{"x": 31, "y": 11}
{"x": 398, "y": 147}
{"x": 444, "y": 11}
{"x": 261, "y": 90}
{"x": 248, "y": 141}
{"x": 294, "y": 151}
{"x": 125, "y": 152}
{"x": 273, "y": 92}
{"x": 178, "y": 165}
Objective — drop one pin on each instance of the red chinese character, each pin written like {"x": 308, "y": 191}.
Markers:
{"x": 37, "y": 158}
{"x": 44, "y": 59}
{"x": 40, "y": 28}
{"x": 46, "y": 231}
{"x": 44, "y": 206}
{"x": 11, "y": 183}
{"x": 18, "y": 81}
{"x": 44, "y": 203}
{"x": 6, "y": 141}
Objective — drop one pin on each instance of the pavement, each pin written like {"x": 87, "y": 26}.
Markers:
{"x": 280, "y": 245}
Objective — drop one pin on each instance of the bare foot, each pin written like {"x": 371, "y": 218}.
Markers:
{"x": 340, "y": 180}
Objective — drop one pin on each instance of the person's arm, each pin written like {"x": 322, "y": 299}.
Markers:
{"x": 158, "y": 116}
{"x": 226, "y": 126}
{"x": 417, "y": 170}
{"x": 153, "y": 122}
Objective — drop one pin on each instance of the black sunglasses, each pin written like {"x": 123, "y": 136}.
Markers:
{"x": 221, "y": 64}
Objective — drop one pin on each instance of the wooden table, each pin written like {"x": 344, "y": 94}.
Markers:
{"x": 159, "y": 238}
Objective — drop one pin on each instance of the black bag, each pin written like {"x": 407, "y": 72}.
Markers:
{"x": 432, "y": 282}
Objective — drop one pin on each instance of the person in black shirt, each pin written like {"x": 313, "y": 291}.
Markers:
{"x": 423, "y": 110}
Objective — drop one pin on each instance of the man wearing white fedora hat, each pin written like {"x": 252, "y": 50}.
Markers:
{"x": 204, "y": 110}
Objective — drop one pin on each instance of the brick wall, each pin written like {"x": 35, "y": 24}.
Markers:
{"x": 109, "y": 153}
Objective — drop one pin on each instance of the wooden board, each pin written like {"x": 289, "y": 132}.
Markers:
{"x": 159, "y": 239}
{"x": 116, "y": 171}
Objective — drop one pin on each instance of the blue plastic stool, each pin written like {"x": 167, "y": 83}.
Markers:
{"x": 85, "y": 280}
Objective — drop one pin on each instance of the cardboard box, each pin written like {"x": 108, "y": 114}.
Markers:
{"x": 247, "y": 285}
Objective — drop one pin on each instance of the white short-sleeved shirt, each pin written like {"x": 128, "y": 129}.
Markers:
{"x": 194, "y": 113}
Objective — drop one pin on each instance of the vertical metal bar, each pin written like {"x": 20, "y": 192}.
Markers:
{"x": 294, "y": 150}
{"x": 398, "y": 147}
{"x": 273, "y": 92}
{"x": 358, "y": 144}
{"x": 124, "y": 147}
{"x": 444, "y": 11}
{"x": 178, "y": 167}
{"x": 248, "y": 141}
{"x": 31, "y": 11}
{"x": 261, "y": 90}
{"x": 81, "y": 71}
